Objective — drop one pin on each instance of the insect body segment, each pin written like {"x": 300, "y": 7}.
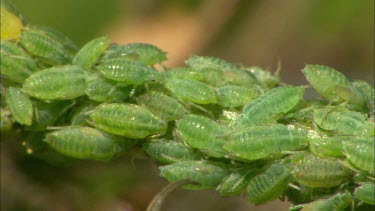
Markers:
{"x": 235, "y": 96}
{"x": 20, "y": 105}
{"x": 366, "y": 193}
{"x": 361, "y": 152}
{"x": 337, "y": 202}
{"x": 89, "y": 54}
{"x": 236, "y": 182}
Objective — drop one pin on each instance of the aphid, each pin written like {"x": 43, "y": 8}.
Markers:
{"x": 228, "y": 117}
{"x": 20, "y": 105}
{"x": 104, "y": 90}
{"x": 360, "y": 152}
{"x": 182, "y": 73}
{"x": 264, "y": 141}
{"x": 12, "y": 50}
{"x": 192, "y": 91}
{"x": 202, "y": 133}
{"x": 368, "y": 93}
{"x": 89, "y": 54}
{"x": 352, "y": 95}
{"x": 6, "y": 121}
{"x": 11, "y": 25}
{"x": 326, "y": 146}
{"x": 128, "y": 120}
{"x": 240, "y": 77}
{"x": 325, "y": 80}
{"x": 84, "y": 143}
{"x": 163, "y": 106}
{"x": 314, "y": 172}
{"x": 14, "y": 69}
{"x": 126, "y": 71}
{"x": 235, "y": 96}
{"x": 236, "y": 182}
{"x": 269, "y": 184}
{"x": 207, "y": 174}
{"x": 40, "y": 44}
{"x": 145, "y": 53}
{"x": 366, "y": 193}
{"x": 207, "y": 62}
{"x": 166, "y": 151}
{"x": 265, "y": 77}
{"x": 337, "y": 202}
{"x": 272, "y": 105}
{"x": 343, "y": 121}
{"x": 57, "y": 83}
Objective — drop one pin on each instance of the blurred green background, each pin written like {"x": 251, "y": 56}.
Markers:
{"x": 336, "y": 33}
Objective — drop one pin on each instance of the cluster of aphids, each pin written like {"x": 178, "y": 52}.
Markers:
{"x": 222, "y": 126}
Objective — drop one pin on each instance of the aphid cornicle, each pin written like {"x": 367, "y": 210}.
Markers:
{"x": 20, "y": 105}
{"x": 84, "y": 143}
{"x": 325, "y": 80}
{"x": 128, "y": 120}
{"x": 126, "y": 71}
{"x": 236, "y": 182}
{"x": 235, "y": 96}
{"x": 269, "y": 184}
{"x": 337, "y": 202}
{"x": 163, "y": 106}
{"x": 360, "y": 152}
{"x": 343, "y": 121}
{"x": 313, "y": 172}
{"x": 57, "y": 83}
{"x": 144, "y": 53}
{"x": 40, "y": 44}
{"x": 207, "y": 174}
{"x": 272, "y": 105}
{"x": 263, "y": 141}
{"x": 167, "y": 151}
{"x": 192, "y": 91}
{"x": 202, "y": 133}
{"x": 366, "y": 193}
{"x": 89, "y": 54}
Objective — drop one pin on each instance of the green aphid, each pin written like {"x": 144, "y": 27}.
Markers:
{"x": 360, "y": 152}
{"x": 84, "y": 143}
{"x": 40, "y": 44}
{"x": 207, "y": 174}
{"x": 240, "y": 77}
{"x": 269, "y": 184}
{"x": 182, "y": 73}
{"x": 128, "y": 120}
{"x": 167, "y": 151}
{"x": 57, "y": 83}
{"x": 127, "y": 72}
{"x": 314, "y": 172}
{"x": 235, "y": 96}
{"x": 236, "y": 182}
{"x": 327, "y": 146}
{"x": 104, "y": 90}
{"x": 12, "y": 50}
{"x": 259, "y": 142}
{"x": 20, "y": 105}
{"x": 325, "y": 80}
{"x": 366, "y": 193}
{"x": 192, "y": 91}
{"x": 13, "y": 69}
{"x": 272, "y": 105}
{"x": 202, "y": 133}
{"x": 162, "y": 105}
{"x": 367, "y": 92}
{"x": 228, "y": 117}
{"x": 90, "y": 53}
{"x": 352, "y": 95}
{"x": 6, "y": 121}
{"x": 343, "y": 121}
{"x": 337, "y": 202}
{"x": 266, "y": 78}
{"x": 145, "y": 53}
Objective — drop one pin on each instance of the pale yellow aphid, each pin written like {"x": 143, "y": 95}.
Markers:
{"x": 11, "y": 25}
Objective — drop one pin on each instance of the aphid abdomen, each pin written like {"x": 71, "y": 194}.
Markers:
{"x": 324, "y": 146}
{"x": 269, "y": 184}
{"x": 366, "y": 193}
{"x": 272, "y": 105}
{"x": 126, "y": 71}
{"x": 57, "y": 83}
{"x": 20, "y": 105}
{"x": 126, "y": 120}
{"x": 337, "y": 202}
{"x": 202, "y": 133}
{"x": 192, "y": 91}
{"x": 182, "y": 73}
{"x": 166, "y": 151}
{"x": 163, "y": 106}
{"x": 235, "y": 96}
{"x": 38, "y": 43}
{"x": 360, "y": 152}
{"x": 318, "y": 172}
{"x": 83, "y": 143}
{"x": 207, "y": 174}
{"x": 367, "y": 92}
{"x": 262, "y": 141}
{"x": 13, "y": 69}
{"x": 89, "y": 54}
{"x": 236, "y": 182}
{"x": 324, "y": 80}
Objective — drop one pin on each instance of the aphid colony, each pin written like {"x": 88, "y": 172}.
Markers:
{"x": 235, "y": 129}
